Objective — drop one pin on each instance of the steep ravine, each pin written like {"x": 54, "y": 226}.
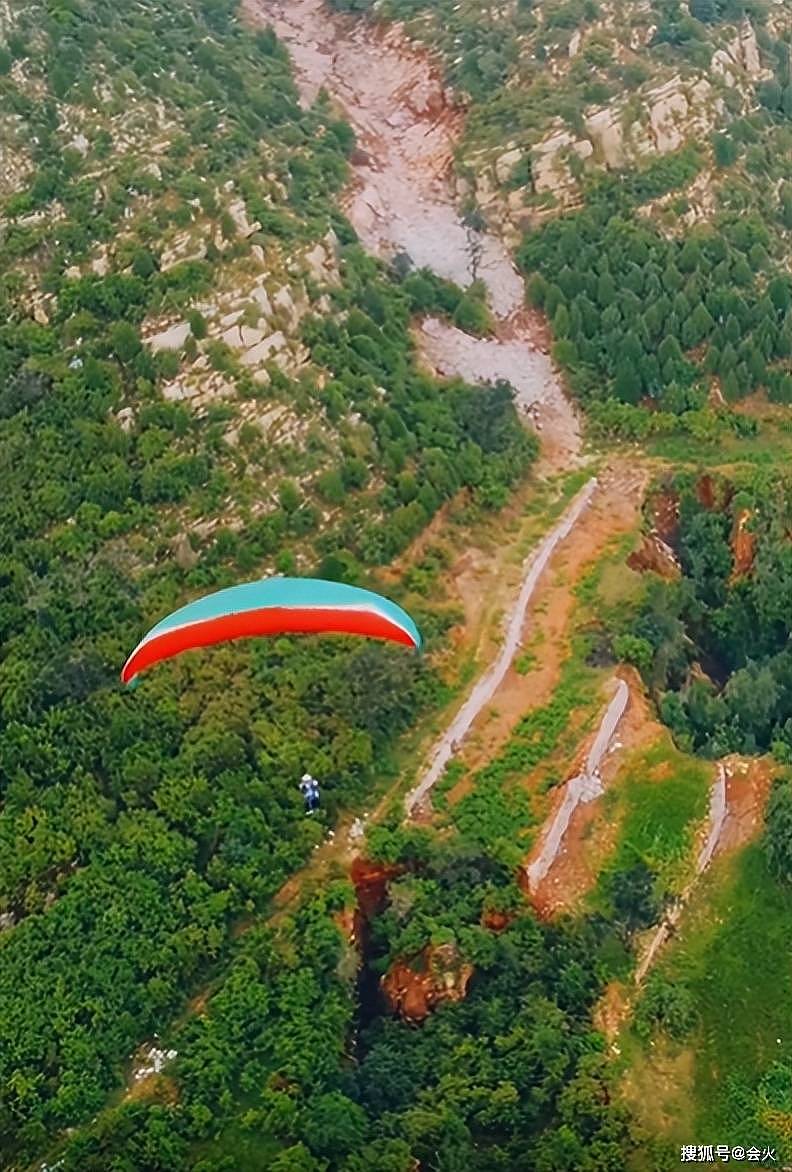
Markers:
{"x": 402, "y": 198}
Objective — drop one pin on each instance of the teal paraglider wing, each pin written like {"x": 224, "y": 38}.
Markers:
{"x": 269, "y": 607}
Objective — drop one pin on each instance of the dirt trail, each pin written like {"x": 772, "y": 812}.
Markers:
{"x": 614, "y": 511}
{"x": 486, "y": 687}
{"x": 584, "y": 787}
{"x": 588, "y": 840}
{"x": 717, "y": 818}
{"x": 402, "y": 199}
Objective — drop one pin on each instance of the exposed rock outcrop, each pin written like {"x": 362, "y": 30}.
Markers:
{"x": 413, "y": 989}
{"x": 655, "y": 555}
{"x": 743, "y": 544}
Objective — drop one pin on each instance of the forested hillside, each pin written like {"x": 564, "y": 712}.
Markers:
{"x": 671, "y": 284}
{"x": 165, "y": 186}
{"x": 204, "y": 379}
{"x": 715, "y": 642}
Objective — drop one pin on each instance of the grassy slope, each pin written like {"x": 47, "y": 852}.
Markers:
{"x": 732, "y": 951}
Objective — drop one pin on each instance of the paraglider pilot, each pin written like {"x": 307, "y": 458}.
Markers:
{"x": 309, "y": 788}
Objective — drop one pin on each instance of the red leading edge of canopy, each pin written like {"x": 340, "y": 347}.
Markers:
{"x": 267, "y": 621}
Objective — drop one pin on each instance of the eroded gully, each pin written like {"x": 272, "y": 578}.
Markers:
{"x": 402, "y": 199}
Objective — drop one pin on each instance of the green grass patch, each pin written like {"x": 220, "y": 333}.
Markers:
{"x": 250, "y": 1149}
{"x": 771, "y": 445}
{"x": 659, "y": 800}
{"x": 496, "y": 815}
{"x": 733, "y": 955}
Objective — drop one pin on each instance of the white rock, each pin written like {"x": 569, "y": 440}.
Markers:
{"x": 749, "y": 51}
{"x": 232, "y": 337}
{"x": 283, "y": 300}
{"x": 126, "y": 419}
{"x": 238, "y": 213}
{"x": 605, "y": 128}
{"x": 506, "y": 163}
{"x": 262, "y": 351}
{"x": 250, "y": 336}
{"x": 260, "y": 297}
{"x": 316, "y": 261}
{"x": 176, "y": 392}
{"x": 667, "y": 115}
{"x": 171, "y": 339}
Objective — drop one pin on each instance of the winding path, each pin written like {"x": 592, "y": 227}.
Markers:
{"x": 717, "y": 817}
{"x": 486, "y": 687}
{"x": 584, "y": 787}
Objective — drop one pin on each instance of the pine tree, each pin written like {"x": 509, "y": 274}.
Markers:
{"x": 741, "y": 272}
{"x": 704, "y": 10}
{"x": 732, "y": 330}
{"x": 561, "y": 322}
{"x": 627, "y": 383}
{"x": 779, "y": 294}
{"x": 606, "y": 290}
{"x": 689, "y": 257}
{"x": 730, "y": 388}
{"x": 725, "y": 149}
{"x": 672, "y": 278}
{"x": 680, "y": 306}
{"x": 696, "y": 327}
{"x": 728, "y": 359}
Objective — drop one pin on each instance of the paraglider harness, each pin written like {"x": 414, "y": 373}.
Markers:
{"x": 309, "y": 788}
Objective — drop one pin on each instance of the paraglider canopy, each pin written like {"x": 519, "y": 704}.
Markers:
{"x": 272, "y": 606}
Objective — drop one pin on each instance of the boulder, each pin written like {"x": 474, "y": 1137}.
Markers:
{"x": 315, "y": 262}
{"x": 667, "y": 114}
{"x": 251, "y": 336}
{"x": 126, "y": 419}
{"x": 505, "y": 164}
{"x": 605, "y": 128}
{"x": 749, "y": 51}
{"x": 262, "y": 351}
{"x": 262, "y": 300}
{"x": 238, "y": 213}
{"x": 171, "y": 339}
{"x": 183, "y": 552}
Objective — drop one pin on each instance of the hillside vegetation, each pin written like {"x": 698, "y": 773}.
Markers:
{"x": 204, "y": 379}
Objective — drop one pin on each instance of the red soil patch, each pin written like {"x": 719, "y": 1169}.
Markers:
{"x": 371, "y": 881}
{"x": 665, "y": 516}
{"x": 743, "y": 545}
{"x": 748, "y": 782}
{"x": 413, "y": 989}
{"x": 705, "y": 491}
{"x": 495, "y": 921}
{"x": 589, "y": 839}
{"x": 714, "y": 493}
{"x": 654, "y": 555}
